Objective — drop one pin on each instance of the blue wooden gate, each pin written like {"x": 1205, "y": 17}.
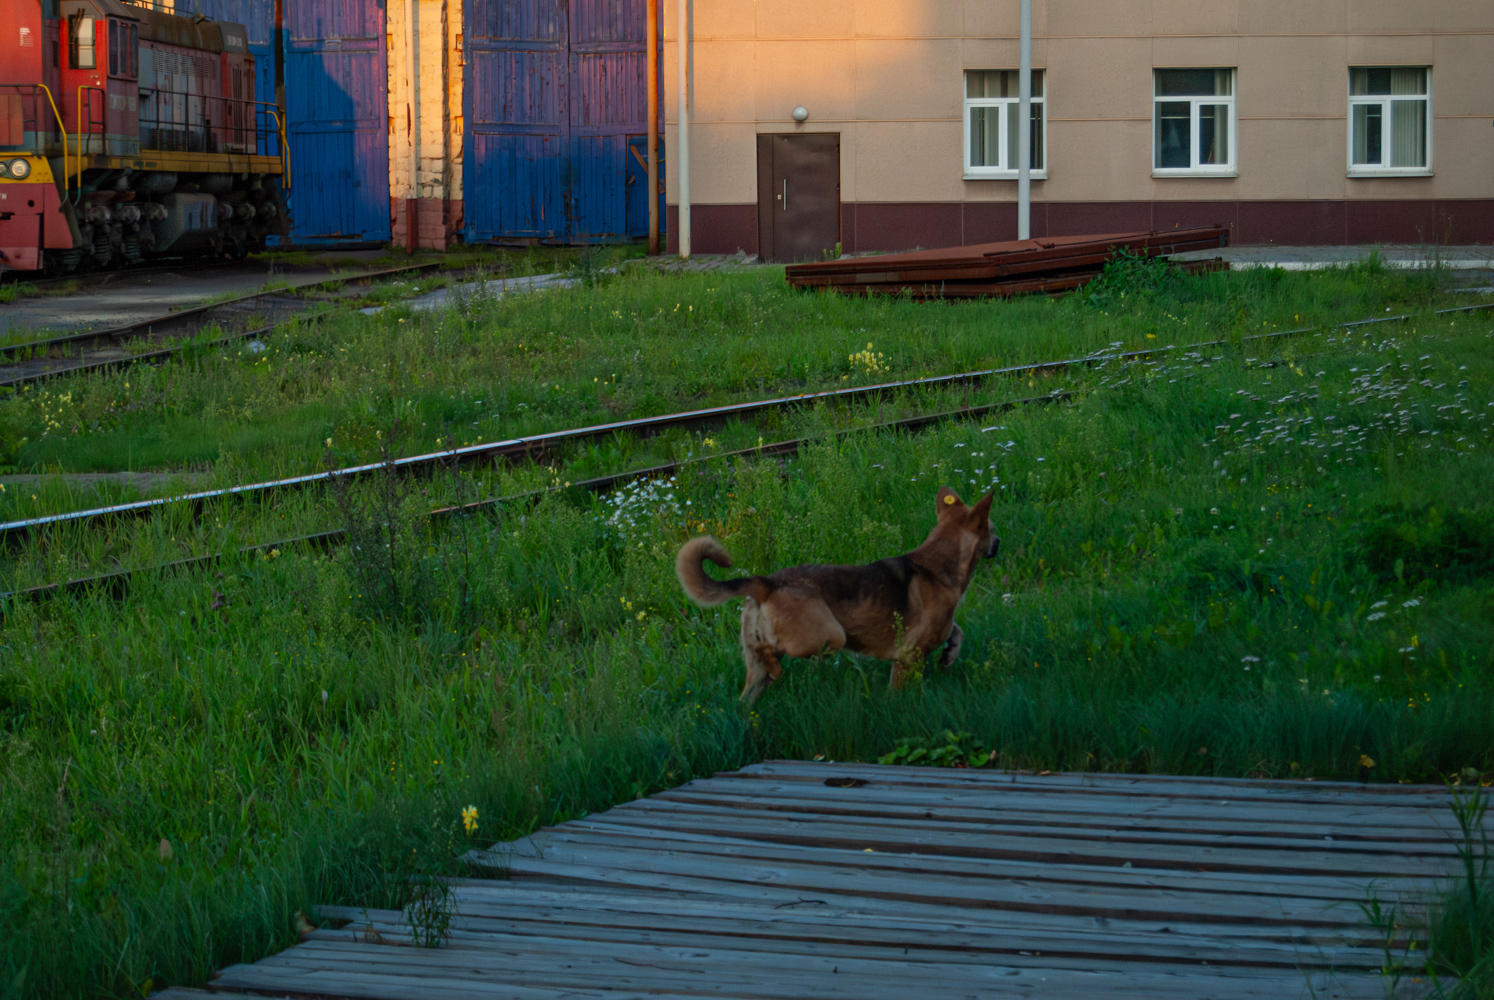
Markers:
{"x": 336, "y": 97}
{"x": 555, "y": 99}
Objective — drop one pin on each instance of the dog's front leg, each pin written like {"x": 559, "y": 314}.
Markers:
{"x": 951, "y": 646}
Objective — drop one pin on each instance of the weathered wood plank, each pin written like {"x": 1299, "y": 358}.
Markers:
{"x": 1172, "y": 786}
{"x": 581, "y": 833}
{"x": 1137, "y": 828}
{"x": 790, "y": 907}
{"x": 1134, "y": 904}
{"x": 913, "y": 838}
{"x": 535, "y": 962}
{"x": 342, "y": 983}
{"x": 1428, "y": 822}
{"x": 1119, "y": 944}
{"x": 1225, "y": 807}
{"x": 535, "y": 940}
{"x": 1175, "y": 784}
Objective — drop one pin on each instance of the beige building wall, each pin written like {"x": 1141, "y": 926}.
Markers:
{"x": 425, "y": 148}
{"x": 888, "y": 75}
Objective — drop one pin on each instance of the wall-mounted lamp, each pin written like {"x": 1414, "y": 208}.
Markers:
{"x": 801, "y": 113}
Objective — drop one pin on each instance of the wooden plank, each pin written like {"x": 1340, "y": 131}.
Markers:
{"x": 343, "y": 983}
{"x": 1265, "y": 789}
{"x": 603, "y": 835}
{"x": 894, "y": 836}
{"x": 1135, "y": 904}
{"x": 535, "y": 962}
{"x": 632, "y": 893}
{"x": 1172, "y": 786}
{"x": 822, "y": 934}
{"x": 1095, "y": 778}
{"x": 1428, "y": 822}
{"x": 1123, "y": 826}
{"x": 489, "y": 932}
{"x": 1272, "y": 854}
{"x": 943, "y": 889}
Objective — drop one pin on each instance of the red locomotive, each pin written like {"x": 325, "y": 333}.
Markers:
{"x": 125, "y": 133}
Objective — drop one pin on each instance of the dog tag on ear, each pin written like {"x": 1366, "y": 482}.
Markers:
{"x": 949, "y": 499}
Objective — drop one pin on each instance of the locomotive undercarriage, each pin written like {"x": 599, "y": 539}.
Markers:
{"x": 123, "y": 216}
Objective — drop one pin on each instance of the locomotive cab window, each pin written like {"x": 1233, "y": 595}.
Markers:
{"x": 124, "y": 49}
{"x": 81, "y": 51}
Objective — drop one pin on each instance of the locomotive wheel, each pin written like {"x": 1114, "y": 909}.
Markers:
{"x": 55, "y": 263}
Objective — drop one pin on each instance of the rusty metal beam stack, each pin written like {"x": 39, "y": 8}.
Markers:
{"x": 1050, "y": 265}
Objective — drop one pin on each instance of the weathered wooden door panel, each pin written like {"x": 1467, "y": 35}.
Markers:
{"x": 515, "y": 101}
{"x": 572, "y": 73}
{"x": 336, "y": 96}
{"x": 798, "y": 196}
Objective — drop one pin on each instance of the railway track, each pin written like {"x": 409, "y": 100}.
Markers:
{"x": 531, "y": 446}
{"x": 84, "y": 280}
{"x": 117, "y": 580}
{"x": 536, "y": 445}
{"x": 93, "y": 350}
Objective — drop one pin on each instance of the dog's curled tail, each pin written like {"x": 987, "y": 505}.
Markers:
{"x": 689, "y": 566}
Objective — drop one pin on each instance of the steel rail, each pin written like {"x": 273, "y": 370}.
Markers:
{"x": 131, "y": 331}
{"x": 528, "y": 447}
{"x": 118, "y": 579}
{"x": 161, "y": 354}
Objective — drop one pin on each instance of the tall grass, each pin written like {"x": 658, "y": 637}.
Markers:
{"x": 1199, "y": 574}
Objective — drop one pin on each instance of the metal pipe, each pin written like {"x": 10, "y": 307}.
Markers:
{"x": 682, "y": 126}
{"x": 1024, "y": 126}
{"x": 653, "y": 127}
{"x": 412, "y": 94}
{"x": 62, "y": 125}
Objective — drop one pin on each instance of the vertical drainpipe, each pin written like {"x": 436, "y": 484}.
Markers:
{"x": 652, "y": 69}
{"x": 1024, "y": 126}
{"x": 412, "y": 67}
{"x": 682, "y": 83}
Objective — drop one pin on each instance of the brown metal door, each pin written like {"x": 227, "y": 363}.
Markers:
{"x": 798, "y": 196}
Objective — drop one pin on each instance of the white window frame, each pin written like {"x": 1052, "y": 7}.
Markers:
{"x": 1382, "y": 169}
{"x": 1196, "y": 169}
{"x": 1008, "y": 107}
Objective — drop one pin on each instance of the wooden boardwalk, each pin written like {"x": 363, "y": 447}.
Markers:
{"x": 822, "y": 880}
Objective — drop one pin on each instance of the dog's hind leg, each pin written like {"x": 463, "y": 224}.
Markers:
{"x": 758, "y": 653}
{"x": 951, "y": 646}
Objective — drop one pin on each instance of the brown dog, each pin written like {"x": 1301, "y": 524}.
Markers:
{"x": 896, "y": 609}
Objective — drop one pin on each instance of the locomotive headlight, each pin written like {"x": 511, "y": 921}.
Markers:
{"x": 19, "y": 169}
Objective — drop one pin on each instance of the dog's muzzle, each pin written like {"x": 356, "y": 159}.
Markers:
{"x": 993, "y": 548}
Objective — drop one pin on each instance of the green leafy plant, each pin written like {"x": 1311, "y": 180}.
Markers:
{"x": 1130, "y": 278}
{"x": 429, "y": 912}
{"x": 945, "y": 749}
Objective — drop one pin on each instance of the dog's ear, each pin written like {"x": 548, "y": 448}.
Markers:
{"x": 947, "y": 500}
{"x": 981, "y": 512}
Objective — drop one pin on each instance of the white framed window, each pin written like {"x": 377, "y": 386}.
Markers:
{"x": 992, "y": 111}
{"x": 1193, "y": 123}
{"x": 1390, "y": 121}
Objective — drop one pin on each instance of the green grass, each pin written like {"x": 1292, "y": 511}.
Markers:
{"x": 642, "y": 344}
{"x": 1193, "y": 567}
{"x": 12, "y": 290}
